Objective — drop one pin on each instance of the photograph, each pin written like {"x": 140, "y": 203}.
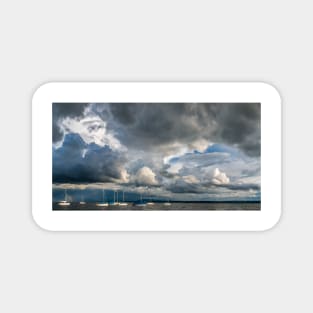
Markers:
{"x": 156, "y": 156}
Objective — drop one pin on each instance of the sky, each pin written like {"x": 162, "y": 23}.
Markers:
{"x": 176, "y": 151}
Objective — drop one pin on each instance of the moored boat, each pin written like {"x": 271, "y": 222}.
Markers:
{"x": 64, "y": 202}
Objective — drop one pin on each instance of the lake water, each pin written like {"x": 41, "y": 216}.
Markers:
{"x": 175, "y": 206}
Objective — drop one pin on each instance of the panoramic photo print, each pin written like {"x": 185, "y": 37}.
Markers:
{"x": 156, "y": 156}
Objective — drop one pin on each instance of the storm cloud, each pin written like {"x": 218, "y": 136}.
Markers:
{"x": 157, "y": 125}
{"x": 78, "y": 162}
{"x": 61, "y": 111}
{"x": 173, "y": 149}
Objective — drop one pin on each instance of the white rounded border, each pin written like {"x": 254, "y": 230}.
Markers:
{"x": 48, "y": 219}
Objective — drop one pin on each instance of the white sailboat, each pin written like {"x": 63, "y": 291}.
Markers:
{"x": 115, "y": 201}
{"x": 64, "y": 202}
{"x": 82, "y": 202}
{"x": 141, "y": 203}
{"x": 150, "y": 202}
{"x": 123, "y": 203}
{"x": 167, "y": 203}
{"x": 103, "y": 203}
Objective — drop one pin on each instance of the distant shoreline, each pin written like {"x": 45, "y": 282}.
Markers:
{"x": 165, "y": 201}
{"x": 161, "y": 206}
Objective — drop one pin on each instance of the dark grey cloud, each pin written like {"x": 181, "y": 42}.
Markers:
{"x": 164, "y": 172}
{"x": 61, "y": 111}
{"x": 78, "y": 162}
{"x": 240, "y": 125}
{"x": 181, "y": 186}
{"x": 243, "y": 187}
{"x": 153, "y": 125}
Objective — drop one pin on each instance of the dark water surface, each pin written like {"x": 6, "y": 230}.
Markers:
{"x": 175, "y": 206}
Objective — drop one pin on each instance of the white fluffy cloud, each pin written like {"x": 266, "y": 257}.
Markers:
{"x": 92, "y": 128}
{"x": 145, "y": 176}
{"x": 219, "y": 178}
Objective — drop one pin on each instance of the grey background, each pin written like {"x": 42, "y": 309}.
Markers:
{"x": 45, "y": 41}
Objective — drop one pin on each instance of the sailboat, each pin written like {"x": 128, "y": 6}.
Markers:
{"x": 150, "y": 202}
{"x": 123, "y": 203}
{"x": 64, "y": 202}
{"x": 117, "y": 203}
{"x": 167, "y": 203}
{"x": 102, "y": 203}
{"x": 141, "y": 203}
{"x": 82, "y": 199}
{"x": 114, "y": 202}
